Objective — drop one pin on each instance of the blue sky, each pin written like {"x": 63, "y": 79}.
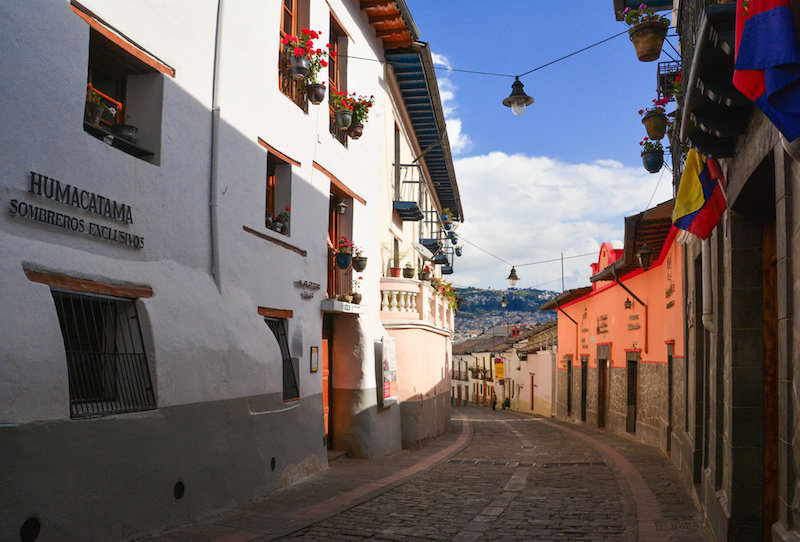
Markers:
{"x": 561, "y": 177}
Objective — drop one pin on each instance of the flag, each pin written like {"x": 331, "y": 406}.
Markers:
{"x": 767, "y": 68}
{"x": 701, "y": 195}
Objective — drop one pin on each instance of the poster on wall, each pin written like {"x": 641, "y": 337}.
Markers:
{"x": 499, "y": 369}
{"x": 389, "y": 372}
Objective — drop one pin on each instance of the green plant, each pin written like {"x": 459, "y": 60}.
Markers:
{"x": 446, "y": 291}
{"x": 643, "y": 14}
{"x": 657, "y": 107}
{"x": 303, "y": 46}
{"x": 677, "y": 84}
{"x": 283, "y": 216}
{"x": 648, "y": 145}
{"x": 95, "y": 97}
{"x": 361, "y": 107}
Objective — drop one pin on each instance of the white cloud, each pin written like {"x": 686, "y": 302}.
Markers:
{"x": 459, "y": 141}
{"x": 526, "y": 209}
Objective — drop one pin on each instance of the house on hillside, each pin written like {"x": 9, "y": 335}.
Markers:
{"x": 175, "y": 298}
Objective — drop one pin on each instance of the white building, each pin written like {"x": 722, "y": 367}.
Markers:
{"x": 164, "y": 352}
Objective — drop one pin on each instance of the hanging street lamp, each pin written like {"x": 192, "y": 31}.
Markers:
{"x": 518, "y": 100}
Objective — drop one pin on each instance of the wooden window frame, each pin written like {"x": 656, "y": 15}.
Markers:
{"x": 336, "y": 77}
{"x": 292, "y": 89}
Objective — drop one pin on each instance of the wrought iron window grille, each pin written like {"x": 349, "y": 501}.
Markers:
{"x": 291, "y": 389}
{"x": 106, "y": 362}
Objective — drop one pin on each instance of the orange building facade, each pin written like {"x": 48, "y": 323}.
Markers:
{"x": 621, "y": 348}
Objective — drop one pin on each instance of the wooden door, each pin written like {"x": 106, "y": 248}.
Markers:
{"x": 325, "y": 387}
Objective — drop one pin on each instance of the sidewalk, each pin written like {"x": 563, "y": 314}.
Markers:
{"x": 346, "y": 483}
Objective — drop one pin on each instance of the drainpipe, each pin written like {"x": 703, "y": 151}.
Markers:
{"x": 616, "y": 279}
{"x": 214, "y": 181}
{"x": 708, "y": 309}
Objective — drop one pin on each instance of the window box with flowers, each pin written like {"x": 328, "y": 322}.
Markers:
{"x": 344, "y": 253}
{"x": 652, "y": 155}
{"x": 305, "y": 62}
{"x": 361, "y": 107}
{"x": 647, "y": 31}
{"x": 446, "y": 291}
{"x": 655, "y": 119}
{"x": 280, "y": 222}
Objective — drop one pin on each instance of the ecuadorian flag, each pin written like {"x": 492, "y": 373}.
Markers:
{"x": 767, "y": 68}
{"x": 701, "y": 196}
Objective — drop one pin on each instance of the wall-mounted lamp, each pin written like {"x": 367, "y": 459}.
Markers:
{"x": 504, "y": 302}
{"x": 628, "y": 304}
{"x": 645, "y": 256}
{"x": 518, "y": 100}
{"x": 341, "y": 207}
{"x": 512, "y": 277}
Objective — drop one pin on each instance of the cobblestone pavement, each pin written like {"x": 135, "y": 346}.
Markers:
{"x": 513, "y": 477}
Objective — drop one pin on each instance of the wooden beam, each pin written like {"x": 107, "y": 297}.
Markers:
{"x": 339, "y": 184}
{"x": 275, "y": 313}
{"x": 366, "y": 4}
{"x": 385, "y": 18}
{"x": 64, "y": 282}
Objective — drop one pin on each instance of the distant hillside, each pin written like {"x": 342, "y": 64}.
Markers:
{"x": 481, "y": 308}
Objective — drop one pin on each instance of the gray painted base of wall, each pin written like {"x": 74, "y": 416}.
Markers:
{"x": 425, "y": 420}
{"x": 113, "y": 478}
{"x": 361, "y": 428}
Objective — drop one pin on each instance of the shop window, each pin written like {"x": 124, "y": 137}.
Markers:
{"x": 106, "y": 363}
{"x": 127, "y": 82}
{"x": 294, "y": 17}
{"x": 291, "y": 388}
{"x": 337, "y": 74}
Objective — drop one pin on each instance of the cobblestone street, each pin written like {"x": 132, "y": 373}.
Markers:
{"x": 503, "y": 475}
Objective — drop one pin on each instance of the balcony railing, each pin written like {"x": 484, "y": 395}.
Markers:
{"x": 408, "y": 299}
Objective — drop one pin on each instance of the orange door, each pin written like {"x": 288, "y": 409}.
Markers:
{"x": 325, "y": 372}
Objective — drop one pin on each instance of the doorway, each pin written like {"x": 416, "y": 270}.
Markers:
{"x": 632, "y": 366}
{"x": 584, "y": 377}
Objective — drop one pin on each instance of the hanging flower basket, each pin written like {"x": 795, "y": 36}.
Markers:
{"x": 315, "y": 93}
{"x": 344, "y": 118}
{"x": 298, "y": 66}
{"x": 355, "y": 130}
{"x": 343, "y": 260}
{"x": 653, "y": 160}
{"x": 655, "y": 123}
{"x": 648, "y": 39}
{"x": 359, "y": 263}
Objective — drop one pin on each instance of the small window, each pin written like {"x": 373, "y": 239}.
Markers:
{"x": 124, "y": 91}
{"x": 291, "y": 388}
{"x": 278, "y": 193}
{"x": 336, "y": 75}
{"x": 106, "y": 363}
{"x": 292, "y": 12}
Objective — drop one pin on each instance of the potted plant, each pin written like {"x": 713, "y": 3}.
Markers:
{"x": 395, "y": 270}
{"x": 652, "y": 155}
{"x": 458, "y": 251}
{"x": 361, "y": 107}
{"x": 298, "y": 50}
{"x": 445, "y": 290}
{"x": 280, "y": 223}
{"x": 342, "y": 108}
{"x": 95, "y": 107}
{"x": 359, "y": 260}
{"x": 677, "y": 90}
{"x": 355, "y": 291}
{"x": 425, "y": 273}
{"x": 647, "y": 31}
{"x": 408, "y": 271}
{"x": 655, "y": 119}
{"x": 344, "y": 253}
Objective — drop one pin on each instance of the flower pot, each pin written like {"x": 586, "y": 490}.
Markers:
{"x": 408, "y": 272}
{"x": 359, "y": 263}
{"x": 458, "y": 251}
{"x": 125, "y": 131}
{"x": 424, "y": 275}
{"x": 648, "y": 38}
{"x": 395, "y": 271}
{"x": 92, "y": 113}
{"x": 277, "y": 226}
{"x": 357, "y": 299}
{"x": 355, "y": 130}
{"x": 315, "y": 93}
{"x": 344, "y": 117}
{"x": 298, "y": 66}
{"x": 656, "y": 125}
{"x": 653, "y": 160}
{"x": 343, "y": 260}
{"x": 448, "y": 226}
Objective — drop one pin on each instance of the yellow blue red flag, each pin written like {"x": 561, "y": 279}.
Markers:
{"x": 701, "y": 196}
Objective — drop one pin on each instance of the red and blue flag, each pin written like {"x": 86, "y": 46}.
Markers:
{"x": 700, "y": 201}
{"x": 767, "y": 68}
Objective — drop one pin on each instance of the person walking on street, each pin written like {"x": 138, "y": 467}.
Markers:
{"x": 494, "y": 401}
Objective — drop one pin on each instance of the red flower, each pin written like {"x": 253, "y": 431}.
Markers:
{"x": 285, "y": 41}
{"x": 323, "y": 63}
{"x": 299, "y": 51}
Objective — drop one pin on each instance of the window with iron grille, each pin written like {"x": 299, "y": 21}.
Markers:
{"x": 106, "y": 362}
{"x": 294, "y": 13}
{"x": 291, "y": 389}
